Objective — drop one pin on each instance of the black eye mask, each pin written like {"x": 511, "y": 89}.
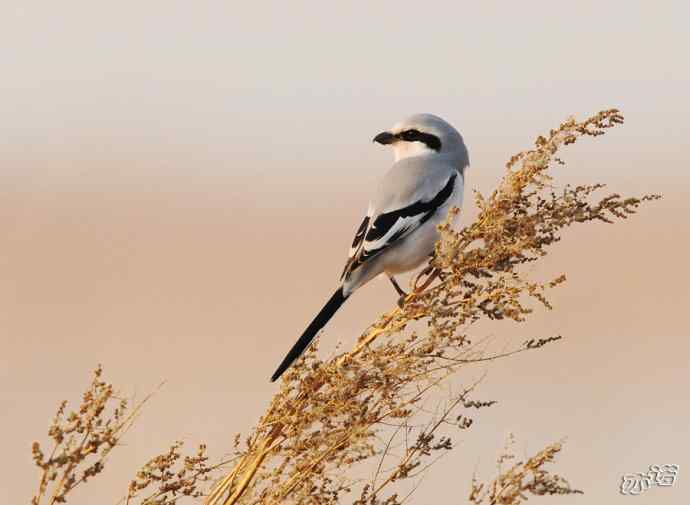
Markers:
{"x": 431, "y": 141}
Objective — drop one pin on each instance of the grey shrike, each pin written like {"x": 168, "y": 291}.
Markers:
{"x": 399, "y": 231}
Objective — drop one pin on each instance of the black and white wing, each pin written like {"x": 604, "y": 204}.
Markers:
{"x": 357, "y": 243}
{"x": 377, "y": 233}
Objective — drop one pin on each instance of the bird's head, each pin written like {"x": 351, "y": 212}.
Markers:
{"x": 424, "y": 135}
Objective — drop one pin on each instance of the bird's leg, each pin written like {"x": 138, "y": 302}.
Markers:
{"x": 441, "y": 275}
{"x": 399, "y": 290}
{"x": 397, "y": 287}
{"x": 432, "y": 274}
{"x": 427, "y": 270}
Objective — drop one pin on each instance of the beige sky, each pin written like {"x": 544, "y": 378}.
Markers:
{"x": 168, "y": 169}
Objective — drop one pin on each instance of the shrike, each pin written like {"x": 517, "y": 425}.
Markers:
{"x": 399, "y": 231}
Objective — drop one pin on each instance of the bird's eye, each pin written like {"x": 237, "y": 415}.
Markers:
{"x": 410, "y": 135}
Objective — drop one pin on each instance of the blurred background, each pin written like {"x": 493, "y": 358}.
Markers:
{"x": 170, "y": 171}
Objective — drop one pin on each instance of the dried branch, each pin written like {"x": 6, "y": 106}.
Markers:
{"x": 513, "y": 484}
{"x": 82, "y": 440}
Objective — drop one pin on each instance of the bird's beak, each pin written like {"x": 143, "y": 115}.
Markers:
{"x": 385, "y": 138}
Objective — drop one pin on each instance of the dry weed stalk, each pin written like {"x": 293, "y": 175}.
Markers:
{"x": 328, "y": 415}
{"x": 369, "y": 403}
{"x": 82, "y": 440}
{"x": 512, "y": 484}
{"x": 171, "y": 476}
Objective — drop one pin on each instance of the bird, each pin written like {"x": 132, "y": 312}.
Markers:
{"x": 399, "y": 231}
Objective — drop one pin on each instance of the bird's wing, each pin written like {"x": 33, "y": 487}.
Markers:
{"x": 357, "y": 242}
{"x": 379, "y": 231}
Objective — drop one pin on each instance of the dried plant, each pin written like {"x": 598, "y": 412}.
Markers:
{"x": 329, "y": 416}
{"x": 82, "y": 440}
{"x": 171, "y": 476}
{"x": 512, "y": 484}
{"x": 366, "y": 410}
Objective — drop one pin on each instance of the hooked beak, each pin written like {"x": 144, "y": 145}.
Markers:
{"x": 385, "y": 138}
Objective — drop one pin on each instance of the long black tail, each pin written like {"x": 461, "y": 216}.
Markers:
{"x": 319, "y": 322}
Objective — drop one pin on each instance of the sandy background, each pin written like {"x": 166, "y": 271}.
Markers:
{"x": 170, "y": 171}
